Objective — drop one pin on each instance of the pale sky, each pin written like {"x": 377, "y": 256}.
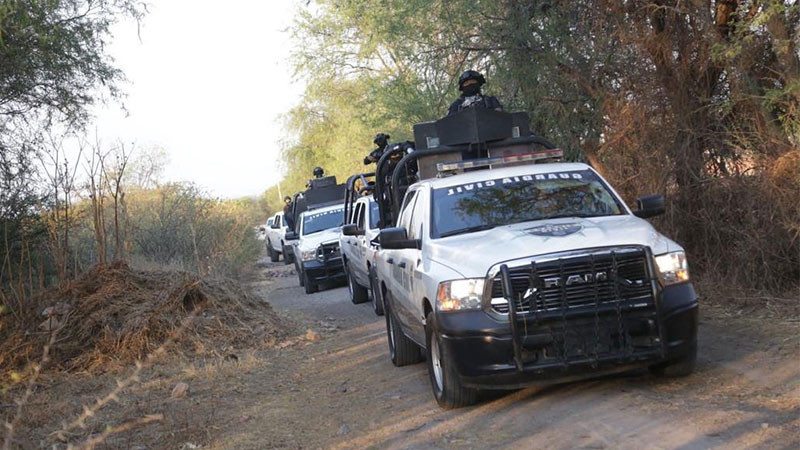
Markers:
{"x": 207, "y": 83}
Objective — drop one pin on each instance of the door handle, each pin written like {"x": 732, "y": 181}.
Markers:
{"x": 390, "y": 261}
{"x": 402, "y": 265}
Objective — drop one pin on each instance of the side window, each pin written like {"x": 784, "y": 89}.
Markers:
{"x": 277, "y": 221}
{"x": 359, "y": 210}
{"x": 374, "y": 216}
{"x": 360, "y": 219}
{"x": 415, "y": 230}
{"x": 405, "y": 214}
{"x": 351, "y": 214}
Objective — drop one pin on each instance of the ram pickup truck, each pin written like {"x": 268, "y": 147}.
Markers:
{"x": 359, "y": 250}
{"x": 515, "y": 275}
{"x": 276, "y": 244}
{"x": 316, "y": 252}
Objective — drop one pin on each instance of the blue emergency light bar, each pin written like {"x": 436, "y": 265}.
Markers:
{"x": 500, "y": 160}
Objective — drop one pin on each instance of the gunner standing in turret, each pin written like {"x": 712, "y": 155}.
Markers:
{"x": 469, "y": 83}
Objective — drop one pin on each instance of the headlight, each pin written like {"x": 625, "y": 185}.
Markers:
{"x": 308, "y": 255}
{"x": 459, "y": 295}
{"x": 672, "y": 268}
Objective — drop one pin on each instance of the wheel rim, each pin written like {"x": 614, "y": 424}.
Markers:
{"x": 436, "y": 363}
{"x": 374, "y": 295}
{"x": 350, "y": 285}
{"x": 391, "y": 334}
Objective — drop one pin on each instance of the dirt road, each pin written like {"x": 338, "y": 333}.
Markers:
{"x": 344, "y": 392}
{"x": 329, "y": 383}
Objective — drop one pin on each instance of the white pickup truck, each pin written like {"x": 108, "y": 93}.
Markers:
{"x": 514, "y": 275}
{"x": 316, "y": 247}
{"x": 359, "y": 252}
{"x": 275, "y": 237}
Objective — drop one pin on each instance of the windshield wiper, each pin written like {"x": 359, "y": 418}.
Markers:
{"x": 570, "y": 216}
{"x": 471, "y": 229}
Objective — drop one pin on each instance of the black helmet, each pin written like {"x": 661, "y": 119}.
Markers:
{"x": 318, "y": 172}
{"x": 381, "y": 139}
{"x": 470, "y": 75}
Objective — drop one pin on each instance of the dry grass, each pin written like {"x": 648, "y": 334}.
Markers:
{"x": 115, "y": 315}
{"x": 113, "y": 318}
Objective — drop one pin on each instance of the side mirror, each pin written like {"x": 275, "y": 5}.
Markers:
{"x": 262, "y": 229}
{"x": 291, "y": 236}
{"x": 650, "y": 206}
{"x": 397, "y": 238}
{"x": 352, "y": 229}
{"x": 274, "y": 226}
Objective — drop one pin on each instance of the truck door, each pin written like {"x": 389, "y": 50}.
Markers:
{"x": 274, "y": 235}
{"x": 349, "y": 242}
{"x": 411, "y": 264}
{"x": 359, "y": 255}
{"x": 406, "y": 263}
{"x": 396, "y": 265}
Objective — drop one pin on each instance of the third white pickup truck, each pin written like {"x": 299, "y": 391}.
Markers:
{"x": 359, "y": 250}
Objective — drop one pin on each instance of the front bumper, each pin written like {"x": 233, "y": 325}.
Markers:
{"x": 483, "y": 351}
{"x": 330, "y": 270}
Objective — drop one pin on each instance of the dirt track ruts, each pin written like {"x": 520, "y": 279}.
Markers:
{"x": 344, "y": 392}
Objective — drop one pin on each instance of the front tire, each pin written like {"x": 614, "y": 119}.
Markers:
{"x": 402, "y": 350}
{"x": 358, "y": 294}
{"x": 447, "y": 387}
{"x": 308, "y": 284}
{"x": 288, "y": 256}
{"x": 681, "y": 367}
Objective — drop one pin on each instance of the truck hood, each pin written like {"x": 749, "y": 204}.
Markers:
{"x": 472, "y": 254}
{"x": 312, "y": 241}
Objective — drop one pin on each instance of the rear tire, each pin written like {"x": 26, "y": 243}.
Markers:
{"x": 375, "y": 297}
{"x": 310, "y": 286}
{"x": 273, "y": 256}
{"x": 678, "y": 368}
{"x": 447, "y": 387}
{"x": 402, "y": 350}
{"x": 358, "y": 293}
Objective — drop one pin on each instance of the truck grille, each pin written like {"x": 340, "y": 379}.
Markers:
{"x": 326, "y": 252}
{"x": 602, "y": 276}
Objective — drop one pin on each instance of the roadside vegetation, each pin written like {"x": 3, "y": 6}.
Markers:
{"x": 102, "y": 263}
{"x": 698, "y": 101}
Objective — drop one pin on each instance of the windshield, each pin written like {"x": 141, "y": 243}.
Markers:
{"x": 487, "y": 204}
{"x": 316, "y": 222}
{"x": 374, "y": 215}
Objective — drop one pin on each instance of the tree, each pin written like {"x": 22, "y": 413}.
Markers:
{"x": 698, "y": 100}
{"x": 53, "y": 67}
